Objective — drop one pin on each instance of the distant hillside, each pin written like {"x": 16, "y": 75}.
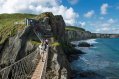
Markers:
{"x": 11, "y": 23}
{"x": 74, "y": 28}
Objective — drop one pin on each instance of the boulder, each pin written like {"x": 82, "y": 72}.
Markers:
{"x": 84, "y": 44}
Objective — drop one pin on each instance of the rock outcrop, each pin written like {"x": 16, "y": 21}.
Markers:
{"x": 19, "y": 46}
{"x": 51, "y": 26}
{"x": 76, "y": 35}
{"x": 58, "y": 65}
{"x": 84, "y": 44}
{"x": 16, "y": 48}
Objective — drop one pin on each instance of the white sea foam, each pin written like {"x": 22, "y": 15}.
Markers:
{"x": 84, "y": 59}
{"x": 92, "y": 41}
{"x": 75, "y": 42}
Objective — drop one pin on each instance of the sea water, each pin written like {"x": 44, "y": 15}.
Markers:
{"x": 102, "y": 59}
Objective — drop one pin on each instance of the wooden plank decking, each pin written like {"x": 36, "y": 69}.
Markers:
{"x": 40, "y": 68}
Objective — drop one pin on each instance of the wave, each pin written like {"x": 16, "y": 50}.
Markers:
{"x": 75, "y": 42}
{"x": 94, "y": 65}
{"x": 92, "y": 41}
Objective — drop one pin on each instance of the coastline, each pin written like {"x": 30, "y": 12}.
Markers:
{"x": 97, "y": 59}
{"x": 75, "y": 56}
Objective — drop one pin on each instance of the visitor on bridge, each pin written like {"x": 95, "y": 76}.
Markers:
{"x": 45, "y": 44}
{"x": 43, "y": 47}
{"x": 42, "y": 50}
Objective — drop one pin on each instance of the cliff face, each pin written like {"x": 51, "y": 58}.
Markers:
{"x": 56, "y": 23}
{"x": 58, "y": 66}
{"x": 15, "y": 48}
{"x": 75, "y": 35}
{"x": 20, "y": 45}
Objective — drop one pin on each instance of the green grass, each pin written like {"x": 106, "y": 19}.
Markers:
{"x": 73, "y": 28}
{"x": 8, "y": 26}
{"x": 55, "y": 44}
{"x": 35, "y": 42}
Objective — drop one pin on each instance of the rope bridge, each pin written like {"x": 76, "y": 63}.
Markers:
{"x": 26, "y": 68}
{"x": 21, "y": 69}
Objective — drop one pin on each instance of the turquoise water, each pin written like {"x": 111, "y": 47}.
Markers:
{"x": 102, "y": 59}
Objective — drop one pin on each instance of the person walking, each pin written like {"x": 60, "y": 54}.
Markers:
{"x": 42, "y": 50}
{"x": 46, "y": 44}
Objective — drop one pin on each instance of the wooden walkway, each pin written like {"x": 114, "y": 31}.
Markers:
{"x": 41, "y": 67}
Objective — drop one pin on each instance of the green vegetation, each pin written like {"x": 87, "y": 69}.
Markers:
{"x": 55, "y": 44}
{"x": 42, "y": 15}
{"x": 11, "y": 23}
{"x": 35, "y": 42}
{"x": 74, "y": 28}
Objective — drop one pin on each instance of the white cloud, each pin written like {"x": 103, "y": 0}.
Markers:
{"x": 105, "y": 26}
{"x": 89, "y": 14}
{"x": 39, "y": 6}
{"x": 82, "y": 24}
{"x": 104, "y": 8}
{"x": 111, "y": 21}
{"x": 112, "y": 30}
{"x": 105, "y": 29}
{"x": 73, "y": 1}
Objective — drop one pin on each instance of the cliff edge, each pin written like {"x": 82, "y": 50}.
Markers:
{"x": 23, "y": 42}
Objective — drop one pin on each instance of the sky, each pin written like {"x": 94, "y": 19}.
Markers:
{"x": 98, "y": 16}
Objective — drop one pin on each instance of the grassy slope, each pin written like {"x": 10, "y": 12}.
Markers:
{"x": 8, "y": 26}
{"x": 74, "y": 28}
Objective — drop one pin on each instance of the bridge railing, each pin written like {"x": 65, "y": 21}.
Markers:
{"x": 21, "y": 69}
{"x": 24, "y": 68}
{"x": 45, "y": 64}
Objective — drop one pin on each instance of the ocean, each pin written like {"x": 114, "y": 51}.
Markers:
{"x": 100, "y": 61}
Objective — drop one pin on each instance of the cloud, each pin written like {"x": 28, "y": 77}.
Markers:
{"x": 111, "y": 21}
{"x": 104, "y": 8}
{"x": 112, "y": 30}
{"x": 105, "y": 26}
{"x": 82, "y": 24}
{"x": 39, "y": 6}
{"x": 73, "y": 2}
{"x": 104, "y": 30}
{"x": 89, "y": 14}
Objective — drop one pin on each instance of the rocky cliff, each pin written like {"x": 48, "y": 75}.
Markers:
{"x": 73, "y": 34}
{"x": 15, "y": 48}
{"x": 25, "y": 42}
{"x": 58, "y": 65}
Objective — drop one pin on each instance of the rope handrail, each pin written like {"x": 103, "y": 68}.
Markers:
{"x": 16, "y": 62}
{"x": 20, "y": 59}
{"x": 12, "y": 58}
{"x": 25, "y": 67}
{"x": 22, "y": 68}
{"x": 37, "y": 35}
